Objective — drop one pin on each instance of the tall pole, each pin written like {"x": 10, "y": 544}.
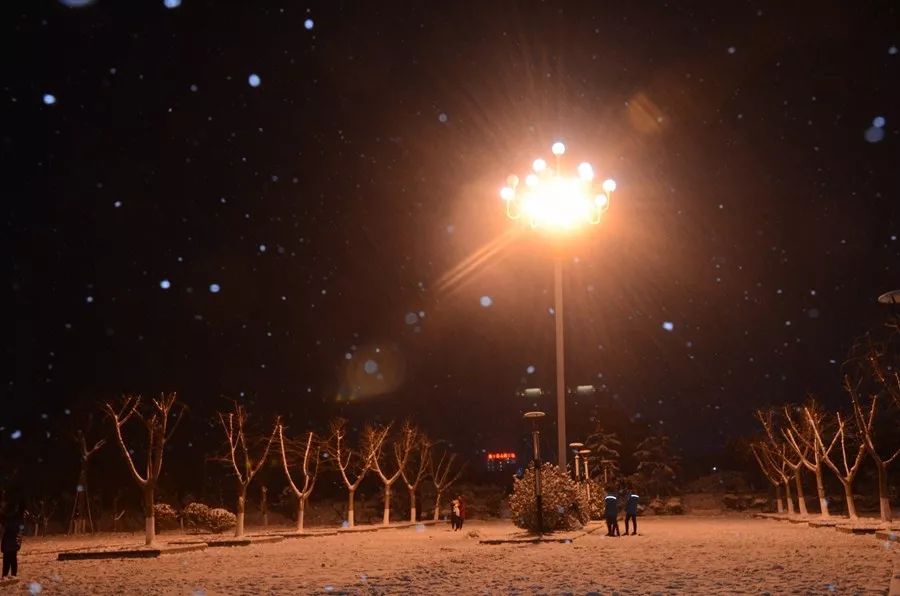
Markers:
{"x": 560, "y": 364}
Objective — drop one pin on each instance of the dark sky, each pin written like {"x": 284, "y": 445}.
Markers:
{"x": 287, "y": 202}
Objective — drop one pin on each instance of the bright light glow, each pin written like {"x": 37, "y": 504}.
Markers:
{"x": 512, "y": 181}
{"x": 602, "y": 201}
{"x": 557, "y": 203}
{"x": 585, "y": 171}
{"x": 539, "y": 165}
{"x": 609, "y": 185}
{"x": 531, "y": 180}
{"x": 507, "y": 194}
{"x": 558, "y": 148}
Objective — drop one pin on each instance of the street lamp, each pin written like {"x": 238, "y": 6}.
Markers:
{"x": 560, "y": 204}
{"x": 575, "y": 449}
{"x": 535, "y": 418}
{"x": 587, "y": 471}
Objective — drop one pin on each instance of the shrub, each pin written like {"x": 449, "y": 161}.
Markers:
{"x": 200, "y": 517}
{"x": 165, "y": 515}
{"x": 564, "y": 503}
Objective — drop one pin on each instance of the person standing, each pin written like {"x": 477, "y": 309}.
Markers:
{"x": 611, "y": 513}
{"x": 454, "y": 514}
{"x": 631, "y": 508}
{"x": 11, "y": 541}
{"x": 462, "y": 512}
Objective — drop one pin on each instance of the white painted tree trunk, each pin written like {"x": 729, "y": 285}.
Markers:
{"x": 437, "y": 506}
{"x": 412, "y": 506}
{"x": 149, "y": 520}
{"x": 301, "y": 512}
{"x": 241, "y": 507}
{"x": 801, "y": 497}
{"x": 883, "y": 495}
{"x": 387, "y": 505}
{"x": 851, "y": 503}
{"x": 350, "y": 507}
{"x": 820, "y": 490}
{"x": 789, "y": 497}
{"x": 779, "y": 504}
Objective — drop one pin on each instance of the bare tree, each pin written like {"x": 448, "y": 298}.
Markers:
{"x": 850, "y": 463}
{"x": 420, "y": 458}
{"x": 801, "y": 436}
{"x": 309, "y": 469}
{"x": 349, "y": 462}
{"x": 402, "y": 447}
{"x": 864, "y": 413}
{"x": 443, "y": 476}
{"x": 767, "y": 419}
{"x": 774, "y": 475}
{"x": 155, "y": 416}
{"x": 81, "y": 517}
{"x": 241, "y": 456}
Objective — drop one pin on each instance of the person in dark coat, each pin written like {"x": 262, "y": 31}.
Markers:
{"x": 631, "y": 508}
{"x": 462, "y": 512}
{"x": 611, "y": 513}
{"x": 454, "y": 514}
{"x": 11, "y": 542}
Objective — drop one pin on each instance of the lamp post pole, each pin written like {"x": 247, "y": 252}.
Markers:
{"x": 560, "y": 363}
{"x": 535, "y": 417}
{"x": 587, "y": 472}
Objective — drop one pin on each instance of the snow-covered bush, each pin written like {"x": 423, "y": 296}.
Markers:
{"x": 166, "y": 516}
{"x": 220, "y": 520}
{"x": 200, "y": 517}
{"x": 564, "y": 503}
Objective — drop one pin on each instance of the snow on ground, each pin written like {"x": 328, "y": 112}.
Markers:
{"x": 671, "y": 555}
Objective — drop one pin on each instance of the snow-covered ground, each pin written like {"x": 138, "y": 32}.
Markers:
{"x": 671, "y": 555}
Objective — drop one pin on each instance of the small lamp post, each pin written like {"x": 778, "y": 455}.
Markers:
{"x": 535, "y": 418}
{"x": 587, "y": 471}
{"x": 577, "y": 468}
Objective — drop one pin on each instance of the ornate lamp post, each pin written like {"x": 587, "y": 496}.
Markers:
{"x": 535, "y": 418}
{"x": 559, "y": 204}
{"x": 587, "y": 471}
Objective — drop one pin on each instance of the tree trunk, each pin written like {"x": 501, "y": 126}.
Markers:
{"x": 789, "y": 497}
{"x": 264, "y": 506}
{"x": 437, "y": 506}
{"x": 820, "y": 490}
{"x": 801, "y": 497}
{"x": 301, "y": 512}
{"x": 350, "y": 506}
{"x": 779, "y": 504}
{"x": 883, "y": 495}
{"x": 387, "y": 505}
{"x": 239, "y": 514}
{"x": 851, "y": 504}
{"x": 412, "y": 506}
{"x": 149, "y": 521}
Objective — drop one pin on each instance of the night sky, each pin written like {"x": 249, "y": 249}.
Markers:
{"x": 296, "y": 204}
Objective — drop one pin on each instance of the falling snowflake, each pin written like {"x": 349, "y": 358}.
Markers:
{"x": 442, "y": 118}
{"x": 165, "y": 284}
{"x": 668, "y": 325}
{"x": 878, "y": 122}
{"x": 171, "y": 3}
{"x": 486, "y": 301}
{"x": 874, "y": 134}
{"x": 214, "y": 288}
{"x": 49, "y": 99}
{"x": 15, "y": 435}
{"x": 530, "y": 370}
{"x": 254, "y": 80}
{"x": 309, "y": 24}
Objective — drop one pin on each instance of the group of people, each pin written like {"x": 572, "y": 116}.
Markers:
{"x": 13, "y": 521}
{"x": 611, "y": 512}
{"x": 457, "y": 513}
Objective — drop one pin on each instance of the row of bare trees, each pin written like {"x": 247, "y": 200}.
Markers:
{"x": 405, "y": 453}
{"x": 808, "y": 438}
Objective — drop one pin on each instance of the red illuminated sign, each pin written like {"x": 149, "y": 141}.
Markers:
{"x": 502, "y": 455}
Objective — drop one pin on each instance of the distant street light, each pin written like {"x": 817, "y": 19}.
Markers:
{"x": 535, "y": 418}
{"x": 560, "y": 205}
{"x": 587, "y": 471}
{"x": 575, "y": 447}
